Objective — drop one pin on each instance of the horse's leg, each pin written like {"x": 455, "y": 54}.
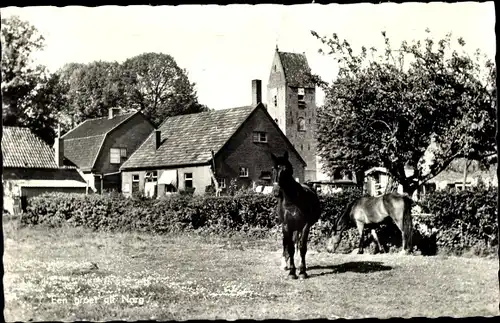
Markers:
{"x": 375, "y": 236}
{"x": 285, "y": 256}
{"x": 361, "y": 227}
{"x": 291, "y": 253}
{"x": 303, "y": 250}
{"x": 399, "y": 224}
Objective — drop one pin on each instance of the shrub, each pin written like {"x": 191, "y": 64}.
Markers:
{"x": 462, "y": 221}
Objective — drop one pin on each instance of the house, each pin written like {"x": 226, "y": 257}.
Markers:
{"x": 454, "y": 178}
{"x": 31, "y": 167}
{"x": 378, "y": 181}
{"x": 98, "y": 147}
{"x": 196, "y": 151}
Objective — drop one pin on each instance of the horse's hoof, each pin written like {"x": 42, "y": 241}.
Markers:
{"x": 292, "y": 276}
{"x": 284, "y": 268}
{"x": 303, "y": 276}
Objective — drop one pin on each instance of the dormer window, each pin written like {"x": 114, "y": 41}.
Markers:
{"x": 301, "y": 97}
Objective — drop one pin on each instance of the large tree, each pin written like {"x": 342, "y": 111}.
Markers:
{"x": 412, "y": 110}
{"x": 30, "y": 96}
{"x": 157, "y": 86}
{"x": 91, "y": 89}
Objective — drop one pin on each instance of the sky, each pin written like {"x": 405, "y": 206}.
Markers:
{"x": 223, "y": 48}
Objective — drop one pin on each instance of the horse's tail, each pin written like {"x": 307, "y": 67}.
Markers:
{"x": 408, "y": 221}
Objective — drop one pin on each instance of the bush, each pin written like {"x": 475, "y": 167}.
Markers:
{"x": 465, "y": 220}
{"x": 462, "y": 221}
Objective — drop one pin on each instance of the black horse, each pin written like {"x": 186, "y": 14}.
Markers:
{"x": 298, "y": 209}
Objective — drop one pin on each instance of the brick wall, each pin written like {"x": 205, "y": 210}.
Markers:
{"x": 288, "y": 112}
{"x": 241, "y": 151}
{"x": 277, "y": 86}
{"x": 303, "y": 141}
{"x": 129, "y": 135}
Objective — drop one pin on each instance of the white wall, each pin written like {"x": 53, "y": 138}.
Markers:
{"x": 201, "y": 178}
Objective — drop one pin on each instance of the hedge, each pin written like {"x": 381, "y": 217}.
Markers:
{"x": 463, "y": 220}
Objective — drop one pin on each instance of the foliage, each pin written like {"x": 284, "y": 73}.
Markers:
{"x": 419, "y": 107}
{"x": 91, "y": 89}
{"x": 157, "y": 86}
{"x": 151, "y": 82}
{"x": 464, "y": 220}
{"x": 30, "y": 97}
{"x": 460, "y": 221}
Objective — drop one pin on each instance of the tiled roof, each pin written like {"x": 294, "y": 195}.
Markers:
{"x": 189, "y": 139}
{"x": 97, "y": 126}
{"x": 457, "y": 177}
{"x": 83, "y": 143}
{"x": 83, "y": 151}
{"x": 50, "y": 183}
{"x": 297, "y": 71}
{"x": 22, "y": 148}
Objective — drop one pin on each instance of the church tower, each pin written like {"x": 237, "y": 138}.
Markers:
{"x": 291, "y": 101}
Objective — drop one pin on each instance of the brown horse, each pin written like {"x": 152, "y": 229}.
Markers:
{"x": 298, "y": 209}
{"x": 367, "y": 211}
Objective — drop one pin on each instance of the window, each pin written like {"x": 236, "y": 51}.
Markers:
{"x": 243, "y": 171}
{"x": 301, "y": 147}
{"x": 259, "y": 136}
{"x": 300, "y": 96}
{"x": 265, "y": 175}
{"x": 308, "y": 146}
{"x": 135, "y": 183}
{"x": 114, "y": 155}
{"x": 188, "y": 180}
{"x": 275, "y": 67}
{"x": 275, "y": 100}
{"x": 276, "y": 120}
{"x": 151, "y": 176}
{"x": 221, "y": 182}
{"x": 302, "y": 124}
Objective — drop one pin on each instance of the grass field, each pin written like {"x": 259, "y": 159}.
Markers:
{"x": 49, "y": 275}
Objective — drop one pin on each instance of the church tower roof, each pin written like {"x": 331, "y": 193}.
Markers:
{"x": 296, "y": 68}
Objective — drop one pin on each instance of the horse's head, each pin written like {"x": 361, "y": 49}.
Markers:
{"x": 334, "y": 241}
{"x": 339, "y": 225}
{"x": 282, "y": 171}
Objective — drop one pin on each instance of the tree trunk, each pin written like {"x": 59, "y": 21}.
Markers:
{"x": 409, "y": 188}
{"x": 466, "y": 166}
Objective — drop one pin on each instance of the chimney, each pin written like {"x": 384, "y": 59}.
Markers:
{"x": 256, "y": 92}
{"x": 59, "y": 148}
{"x": 157, "y": 139}
{"x": 113, "y": 112}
